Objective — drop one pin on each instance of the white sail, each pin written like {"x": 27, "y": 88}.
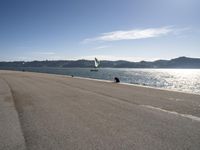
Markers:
{"x": 96, "y": 63}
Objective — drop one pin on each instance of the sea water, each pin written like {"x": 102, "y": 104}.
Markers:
{"x": 185, "y": 80}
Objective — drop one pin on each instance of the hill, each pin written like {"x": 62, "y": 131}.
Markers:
{"x": 181, "y": 62}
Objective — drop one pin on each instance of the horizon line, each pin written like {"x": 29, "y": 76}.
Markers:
{"x": 99, "y": 59}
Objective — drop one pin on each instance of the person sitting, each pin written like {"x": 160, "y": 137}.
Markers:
{"x": 116, "y": 80}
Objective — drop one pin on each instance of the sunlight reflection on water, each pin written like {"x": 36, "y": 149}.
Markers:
{"x": 186, "y": 80}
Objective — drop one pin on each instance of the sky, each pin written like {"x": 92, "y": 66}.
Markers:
{"x": 132, "y": 30}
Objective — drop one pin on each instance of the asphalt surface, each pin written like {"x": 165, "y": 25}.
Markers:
{"x": 60, "y": 113}
{"x": 11, "y": 137}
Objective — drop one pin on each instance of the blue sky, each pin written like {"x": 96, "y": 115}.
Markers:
{"x": 108, "y": 29}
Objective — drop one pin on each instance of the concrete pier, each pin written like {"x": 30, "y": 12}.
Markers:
{"x": 56, "y": 112}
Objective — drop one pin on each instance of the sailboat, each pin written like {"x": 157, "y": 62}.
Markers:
{"x": 96, "y": 64}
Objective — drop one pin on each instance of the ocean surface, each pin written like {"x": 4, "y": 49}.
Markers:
{"x": 185, "y": 80}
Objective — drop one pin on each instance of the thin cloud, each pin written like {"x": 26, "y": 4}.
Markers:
{"x": 131, "y": 34}
{"x": 102, "y": 47}
{"x": 44, "y": 53}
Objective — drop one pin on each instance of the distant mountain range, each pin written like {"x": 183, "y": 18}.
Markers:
{"x": 181, "y": 62}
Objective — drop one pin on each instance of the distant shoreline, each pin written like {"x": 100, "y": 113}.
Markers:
{"x": 177, "y": 63}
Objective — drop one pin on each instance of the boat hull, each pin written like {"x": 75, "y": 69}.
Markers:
{"x": 94, "y": 70}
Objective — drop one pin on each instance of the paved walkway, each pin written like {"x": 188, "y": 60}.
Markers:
{"x": 58, "y": 113}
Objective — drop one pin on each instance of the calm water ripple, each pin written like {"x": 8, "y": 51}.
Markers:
{"x": 185, "y": 80}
